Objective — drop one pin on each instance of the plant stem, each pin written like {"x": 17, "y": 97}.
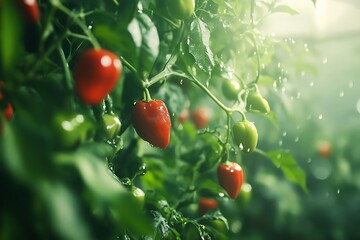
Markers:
{"x": 77, "y": 20}
{"x": 129, "y": 66}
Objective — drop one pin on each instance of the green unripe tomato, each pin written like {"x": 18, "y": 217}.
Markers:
{"x": 245, "y": 135}
{"x": 230, "y": 89}
{"x": 256, "y": 103}
{"x": 139, "y": 195}
{"x": 181, "y": 9}
{"x": 70, "y": 129}
{"x": 245, "y": 195}
{"x": 112, "y": 125}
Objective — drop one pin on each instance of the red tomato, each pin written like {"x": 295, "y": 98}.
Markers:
{"x": 30, "y": 10}
{"x": 184, "y": 115}
{"x": 324, "y": 149}
{"x": 8, "y": 112}
{"x": 96, "y": 74}
{"x": 231, "y": 178}
{"x": 200, "y": 117}
{"x": 206, "y": 204}
{"x": 152, "y": 122}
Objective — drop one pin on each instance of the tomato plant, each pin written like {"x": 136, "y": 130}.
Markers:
{"x": 73, "y": 69}
{"x": 200, "y": 117}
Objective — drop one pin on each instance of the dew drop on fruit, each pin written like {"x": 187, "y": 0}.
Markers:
{"x": 241, "y": 146}
{"x": 338, "y": 191}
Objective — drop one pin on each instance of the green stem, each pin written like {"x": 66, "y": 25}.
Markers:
{"x": 258, "y": 72}
{"x": 172, "y": 23}
{"x": 129, "y": 66}
{"x": 158, "y": 77}
{"x": 252, "y": 9}
{"x": 108, "y": 104}
{"x": 47, "y": 28}
{"x": 46, "y": 54}
{"x": 57, "y": 4}
{"x": 67, "y": 73}
{"x": 75, "y": 35}
{"x": 147, "y": 95}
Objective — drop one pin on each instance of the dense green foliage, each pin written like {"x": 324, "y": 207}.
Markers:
{"x": 72, "y": 170}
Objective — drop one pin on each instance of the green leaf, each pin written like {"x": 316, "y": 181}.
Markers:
{"x": 284, "y": 9}
{"x": 285, "y": 161}
{"x": 10, "y": 35}
{"x": 216, "y": 215}
{"x": 199, "y": 45}
{"x": 146, "y": 38}
{"x": 64, "y": 211}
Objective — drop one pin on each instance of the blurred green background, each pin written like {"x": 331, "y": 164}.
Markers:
{"x": 323, "y": 111}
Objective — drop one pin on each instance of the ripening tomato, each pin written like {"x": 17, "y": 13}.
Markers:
{"x": 200, "y": 117}
{"x": 96, "y": 73}
{"x": 206, "y": 204}
{"x": 324, "y": 149}
{"x": 184, "y": 115}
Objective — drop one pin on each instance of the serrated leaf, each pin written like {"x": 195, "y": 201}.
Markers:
{"x": 284, "y": 9}
{"x": 285, "y": 161}
{"x": 199, "y": 45}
